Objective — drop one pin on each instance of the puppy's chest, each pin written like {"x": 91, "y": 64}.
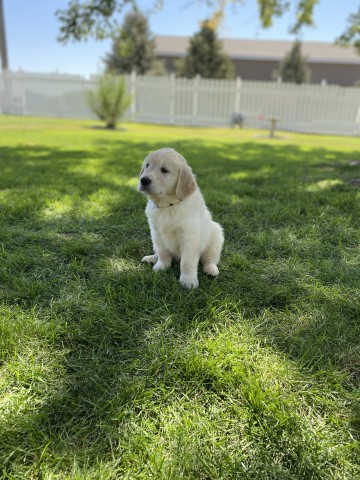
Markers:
{"x": 168, "y": 226}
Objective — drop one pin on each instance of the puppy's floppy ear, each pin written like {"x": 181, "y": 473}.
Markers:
{"x": 186, "y": 182}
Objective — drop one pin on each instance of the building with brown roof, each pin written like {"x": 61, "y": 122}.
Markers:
{"x": 257, "y": 59}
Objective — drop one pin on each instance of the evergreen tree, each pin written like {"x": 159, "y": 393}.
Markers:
{"x": 205, "y": 56}
{"x": 134, "y": 48}
{"x": 294, "y": 68}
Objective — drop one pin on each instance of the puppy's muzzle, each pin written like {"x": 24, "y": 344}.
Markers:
{"x": 145, "y": 182}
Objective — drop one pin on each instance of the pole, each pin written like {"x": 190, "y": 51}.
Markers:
{"x": 4, "y": 63}
{"x": 3, "y": 48}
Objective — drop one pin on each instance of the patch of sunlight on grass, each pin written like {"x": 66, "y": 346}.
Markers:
{"x": 12, "y": 403}
{"x": 93, "y": 168}
{"x": 323, "y": 185}
{"x": 238, "y": 175}
{"x": 95, "y": 206}
{"x": 132, "y": 182}
{"x": 58, "y": 208}
{"x": 5, "y": 193}
{"x": 119, "y": 265}
{"x": 235, "y": 199}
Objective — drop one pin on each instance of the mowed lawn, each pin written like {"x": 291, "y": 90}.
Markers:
{"x": 111, "y": 371}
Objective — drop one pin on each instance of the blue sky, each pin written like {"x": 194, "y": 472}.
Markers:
{"x": 32, "y": 28}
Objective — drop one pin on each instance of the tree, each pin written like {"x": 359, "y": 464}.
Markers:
{"x": 269, "y": 9}
{"x": 134, "y": 47}
{"x": 205, "y": 57}
{"x": 109, "y": 100}
{"x": 96, "y": 18}
{"x": 352, "y": 32}
{"x": 294, "y": 68}
{"x": 89, "y": 18}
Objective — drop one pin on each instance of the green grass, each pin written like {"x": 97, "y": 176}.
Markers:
{"x": 109, "y": 370}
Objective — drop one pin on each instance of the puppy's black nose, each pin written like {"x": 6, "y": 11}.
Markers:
{"x": 145, "y": 181}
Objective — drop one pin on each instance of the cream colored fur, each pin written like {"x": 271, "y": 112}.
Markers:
{"x": 180, "y": 223}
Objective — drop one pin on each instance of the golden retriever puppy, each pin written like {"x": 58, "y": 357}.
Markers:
{"x": 180, "y": 224}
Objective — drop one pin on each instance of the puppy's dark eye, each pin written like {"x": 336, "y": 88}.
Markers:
{"x": 164, "y": 170}
{"x": 147, "y": 165}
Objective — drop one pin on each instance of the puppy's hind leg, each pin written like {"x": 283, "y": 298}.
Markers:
{"x": 210, "y": 258}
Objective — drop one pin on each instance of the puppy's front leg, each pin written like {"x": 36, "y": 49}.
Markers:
{"x": 160, "y": 261}
{"x": 190, "y": 256}
{"x": 162, "y": 256}
{"x": 164, "y": 260}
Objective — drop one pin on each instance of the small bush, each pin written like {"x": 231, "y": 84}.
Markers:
{"x": 109, "y": 101}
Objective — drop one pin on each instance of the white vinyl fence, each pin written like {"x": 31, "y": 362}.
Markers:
{"x": 197, "y": 102}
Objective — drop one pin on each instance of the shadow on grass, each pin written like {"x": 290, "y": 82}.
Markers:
{"x": 73, "y": 236}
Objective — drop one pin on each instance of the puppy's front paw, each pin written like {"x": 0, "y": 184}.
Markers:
{"x": 189, "y": 282}
{"x": 150, "y": 259}
{"x": 159, "y": 265}
{"x": 211, "y": 269}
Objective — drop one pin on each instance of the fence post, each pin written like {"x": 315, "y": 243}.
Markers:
{"x": 133, "y": 95}
{"x": 195, "y": 99}
{"x": 172, "y": 97}
{"x": 7, "y": 98}
{"x": 22, "y": 84}
{"x": 237, "y": 94}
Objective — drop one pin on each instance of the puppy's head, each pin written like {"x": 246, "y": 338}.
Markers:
{"x": 165, "y": 173}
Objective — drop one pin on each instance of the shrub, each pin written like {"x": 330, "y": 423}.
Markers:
{"x": 109, "y": 100}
